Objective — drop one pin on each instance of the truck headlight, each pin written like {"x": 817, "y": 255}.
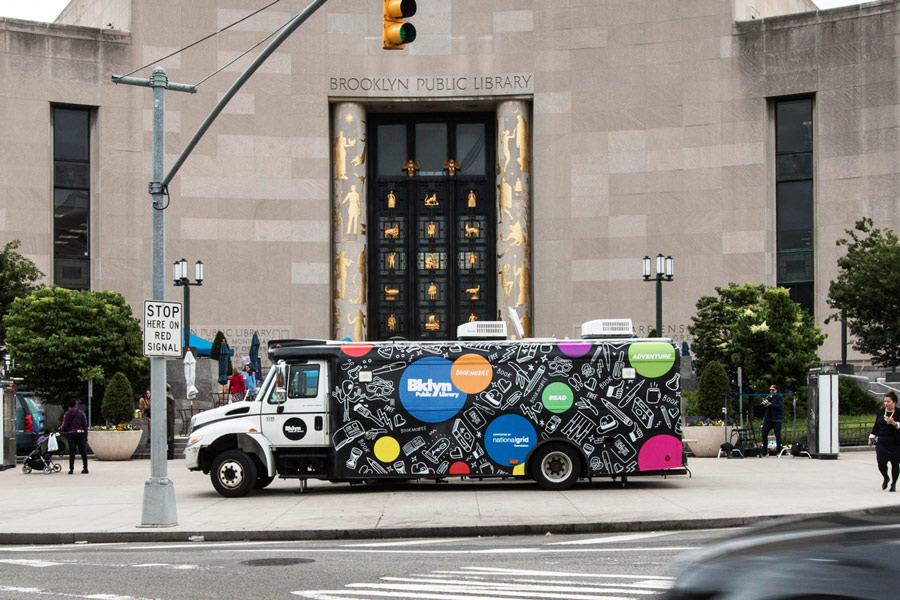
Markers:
{"x": 194, "y": 439}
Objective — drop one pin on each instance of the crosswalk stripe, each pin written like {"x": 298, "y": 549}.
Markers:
{"x": 613, "y": 539}
{"x": 483, "y": 583}
{"x": 405, "y": 543}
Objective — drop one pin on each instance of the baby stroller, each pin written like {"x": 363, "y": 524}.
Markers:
{"x": 41, "y": 457}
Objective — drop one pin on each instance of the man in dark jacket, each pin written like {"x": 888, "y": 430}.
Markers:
{"x": 772, "y": 418}
{"x": 74, "y": 425}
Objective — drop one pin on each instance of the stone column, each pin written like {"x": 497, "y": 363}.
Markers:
{"x": 513, "y": 218}
{"x": 348, "y": 185}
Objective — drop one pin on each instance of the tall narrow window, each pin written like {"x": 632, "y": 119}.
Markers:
{"x": 794, "y": 199}
{"x": 71, "y": 198}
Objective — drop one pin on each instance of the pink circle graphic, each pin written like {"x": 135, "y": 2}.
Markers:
{"x": 660, "y": 452}
{"x": 575, "y": 348}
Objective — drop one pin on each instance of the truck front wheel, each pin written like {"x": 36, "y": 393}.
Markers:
{"x": 555, "y": 467}
{"x": 233, "y": 474}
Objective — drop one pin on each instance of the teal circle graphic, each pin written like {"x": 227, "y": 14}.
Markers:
{"x": 557, "y": 397}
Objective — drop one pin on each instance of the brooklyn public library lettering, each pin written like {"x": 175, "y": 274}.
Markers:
{"x": 509, "y": 83}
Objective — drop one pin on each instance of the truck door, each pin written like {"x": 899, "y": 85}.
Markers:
{"x": 295, "y": 411}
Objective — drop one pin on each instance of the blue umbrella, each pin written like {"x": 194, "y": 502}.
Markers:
{"x": 223, "y": 364}
{"x": 254, "y": 353}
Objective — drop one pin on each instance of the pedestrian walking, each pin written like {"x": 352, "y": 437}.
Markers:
{"x": 249, "y": 381}
{"x": 236, "y": 387}
{"x": 75, "y": 425}
{"x": 170, "y": 422}
{"x": 886, "y": 437}
{"x": 772, "y": 418}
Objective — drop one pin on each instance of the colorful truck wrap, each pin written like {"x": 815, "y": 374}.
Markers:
{"x": 550, "y": 410}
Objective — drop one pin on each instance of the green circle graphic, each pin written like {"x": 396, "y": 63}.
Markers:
{"x": 651, "y": 359}
{"x": 557, "y": 397}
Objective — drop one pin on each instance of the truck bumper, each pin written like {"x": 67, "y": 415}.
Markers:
{"x": 192, "y": 458}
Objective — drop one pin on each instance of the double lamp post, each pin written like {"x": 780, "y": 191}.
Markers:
{"x": 665, "y": 271}
{"x": 180, "y": 277}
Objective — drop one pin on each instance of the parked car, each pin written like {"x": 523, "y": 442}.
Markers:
{"x": 30, "y": 422}
{"x": 840, "y": 556}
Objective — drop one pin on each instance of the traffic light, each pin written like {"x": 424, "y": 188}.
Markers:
{"x": 397, "y": 32}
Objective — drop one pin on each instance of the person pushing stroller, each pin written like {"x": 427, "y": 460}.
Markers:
{"x": 74, "y": 425}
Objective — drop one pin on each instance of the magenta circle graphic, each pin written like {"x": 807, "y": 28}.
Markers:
{"x": 574, "y": 348}
{"x": 660, "y": 452}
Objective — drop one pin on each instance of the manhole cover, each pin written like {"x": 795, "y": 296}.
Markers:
{"x": 276, "y": 562}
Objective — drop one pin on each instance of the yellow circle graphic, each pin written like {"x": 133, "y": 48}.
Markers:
{"x": 387, "y": 449}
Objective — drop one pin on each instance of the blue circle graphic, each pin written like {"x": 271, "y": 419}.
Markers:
{"x": 509, "y": 438}
{"x": 427, "y": 391}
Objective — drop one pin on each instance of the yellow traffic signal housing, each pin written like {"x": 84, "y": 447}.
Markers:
{"x": 397, "y": 32}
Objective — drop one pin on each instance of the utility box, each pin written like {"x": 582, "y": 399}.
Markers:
{"x": 7, "y": 426}
{"x": 822, "y": 426}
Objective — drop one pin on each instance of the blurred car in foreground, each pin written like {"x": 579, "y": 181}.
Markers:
{"x": 839, "y": 556}
{"x": 30, "y": 422}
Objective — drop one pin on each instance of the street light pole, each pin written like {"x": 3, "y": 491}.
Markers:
{"x": 180, "y": 278}
{"x": 665, "y": 271}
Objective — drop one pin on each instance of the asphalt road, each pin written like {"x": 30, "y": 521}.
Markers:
{"x": 633, "y": 565}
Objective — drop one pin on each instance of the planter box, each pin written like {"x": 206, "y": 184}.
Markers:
{"x": 707, "y": 440}
{"x": 114, "y": 445}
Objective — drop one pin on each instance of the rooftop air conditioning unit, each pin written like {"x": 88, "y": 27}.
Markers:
{"x": 482, "y": 330}
{"x": 607, "y": 328}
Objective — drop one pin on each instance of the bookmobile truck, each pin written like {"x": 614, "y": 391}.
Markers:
{"x": 606, "y": 405}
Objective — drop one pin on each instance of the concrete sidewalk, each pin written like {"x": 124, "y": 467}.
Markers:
{"x": 106, "y": 506}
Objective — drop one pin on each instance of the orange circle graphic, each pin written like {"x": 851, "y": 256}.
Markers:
{"x": 471, "y": 373}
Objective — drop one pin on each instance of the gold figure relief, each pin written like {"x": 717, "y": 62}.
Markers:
{"x": 432, "y": 291}
{"x": 431, "y": 200}
{"x": 354, "y": 210}
{"x": 452, "y": 166}
{"x": 430, "y": 230}
{"x": 471, "y": 202}
{"x": 516, "y": 235}
{"x": 341, "y": 263}
{"x": 472, "y": 318}
{"x": 472, "y": 230}
{"x": 338, "y": 324}
{"x": 506, "y": 282}
{"x": 506, "y": 199}
{"x": 362, "y": 267}
{"x": 504, "y": 148}
{"x": 526, "y": 324}
{"x": 524, "y": 279}
{"x": 359, "y": 323}
{"x": 392, "y": 260}
{"x": 341, "y": 144}
{"x": 432, "y": 324}
{"x": 473, "y": 292}
{"x": 431, "y": 261}
{"x": 393, "y": 232}
{"x": 359, "y": 160}
{"x": 411, "y": 166}
{"x": 392, "y": 199}
{"x": 522, "y": 143}
{"x": 391, "y": 294}
{"x": 392, "y": 322}
{"x": 519, "y": 187}
{"x": 472, "y": 260}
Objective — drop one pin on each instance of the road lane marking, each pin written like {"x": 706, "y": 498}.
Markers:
{"x": 614, "y": 538}
{"x": 406, "y": 543}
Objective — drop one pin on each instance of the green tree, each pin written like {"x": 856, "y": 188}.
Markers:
{"x": 713, "y": 390}
{"x": 216, "y": 348}
{"x": 17, "y": 277}
{"x": 867, "y": 290}
{"x": 761, "y": 330}
{"x": 55, "y": 335}
{"x": 118, "y": 400}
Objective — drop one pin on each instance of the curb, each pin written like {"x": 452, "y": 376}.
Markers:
{"x": 160, "y": 535}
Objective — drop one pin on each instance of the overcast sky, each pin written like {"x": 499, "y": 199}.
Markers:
{"x": 47, "y": 10}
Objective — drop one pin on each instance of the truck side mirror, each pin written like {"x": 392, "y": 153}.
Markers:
{"x": 280, "y": 379}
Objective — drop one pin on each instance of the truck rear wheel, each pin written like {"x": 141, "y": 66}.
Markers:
{"x": 555, "y": 467}
{"x": 233, "y": 474}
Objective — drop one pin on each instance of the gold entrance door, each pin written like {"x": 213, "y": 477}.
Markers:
{"x": 433, "y": 232}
